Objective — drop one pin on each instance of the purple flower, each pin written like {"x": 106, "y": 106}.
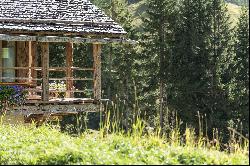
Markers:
{"x": 12, "y": 95}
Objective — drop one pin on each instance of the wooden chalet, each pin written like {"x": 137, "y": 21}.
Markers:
{"x": 26, "y": 25}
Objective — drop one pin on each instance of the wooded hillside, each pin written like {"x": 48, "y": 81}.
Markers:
{"x": 138, "y": 9}
{"x": 191, "y": 61}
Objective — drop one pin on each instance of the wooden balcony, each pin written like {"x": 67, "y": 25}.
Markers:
{"x": 42, "y": 98}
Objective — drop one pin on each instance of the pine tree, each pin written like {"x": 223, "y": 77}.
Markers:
{"x": 156, "y": 41}
{"x": 221, "y": 58}
{"x": 200, "y": 64}
{"x": 118, "y": 60}
{"x": 190, "y": 61}
{"x": 241, "y": 70}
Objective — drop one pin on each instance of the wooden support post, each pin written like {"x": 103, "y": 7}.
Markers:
{"x": 22, "y": 59}
{"x": 69, "y": 73}
{"x": 1, "y": 63}
{"x": 45, "y": 70}
{"x": 32, "y": 61}
{"x": 97, "y": 71}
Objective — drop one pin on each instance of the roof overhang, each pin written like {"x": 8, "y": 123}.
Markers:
{"x": 65, "y": 39}
{"x": 54, "y": 16}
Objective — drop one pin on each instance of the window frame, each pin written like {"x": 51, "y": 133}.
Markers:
{"x": 5, "y": 44}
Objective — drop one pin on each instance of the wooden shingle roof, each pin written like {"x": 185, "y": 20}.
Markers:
{"x": 78, "y": 17}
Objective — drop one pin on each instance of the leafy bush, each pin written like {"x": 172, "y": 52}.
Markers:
{"x": 11, "y": 96}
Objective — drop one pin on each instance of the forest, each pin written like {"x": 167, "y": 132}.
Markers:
{"x": 190, "y": 62}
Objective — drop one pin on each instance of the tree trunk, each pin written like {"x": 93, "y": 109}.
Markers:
{"x": 109, "y": 70}
{"x": 161, "y": 104}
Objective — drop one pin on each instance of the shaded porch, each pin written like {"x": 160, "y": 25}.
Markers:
{"x": 19, "y": 66}
{"x": 28, "y": 28}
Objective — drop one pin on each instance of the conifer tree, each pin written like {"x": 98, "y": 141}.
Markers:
{"x": 200, "y": 65}
{"x": 157, "y": 42}
{"x": 241, "y": 71}
{"x": 118, "y": 59}
{"x": 221, "y": 58}
{"x": 190, "y": 61}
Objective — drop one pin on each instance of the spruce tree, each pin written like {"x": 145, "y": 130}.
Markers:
{"x": 118, "y": 61}
{"x": 157, "y": 42}
{"x": 190, "y": 61}
{"x": 221, "y": 58}
{"x": 241, "y": 71}
{"x": 200, "y": 71}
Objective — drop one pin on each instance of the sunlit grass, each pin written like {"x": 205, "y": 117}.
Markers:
{"x": 46, "y": 145}
{"x": 111, "y": 144}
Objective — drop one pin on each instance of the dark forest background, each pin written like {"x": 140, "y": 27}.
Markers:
{"x": 191, "y": 62}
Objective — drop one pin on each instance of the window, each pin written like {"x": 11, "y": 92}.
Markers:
{"x": 7, "y": 61}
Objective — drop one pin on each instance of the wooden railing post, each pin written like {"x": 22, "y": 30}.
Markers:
{"x": 69, "y": 73}
{"x": 97, "y": 71}
{"x": 32, "y": 62}
{"x": 45, "y": 70}
{"x": 22, "y": 55}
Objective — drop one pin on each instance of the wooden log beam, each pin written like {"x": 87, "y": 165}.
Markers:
{"x": 97, "y": 71}
{"x": 75, "y": 39}
{"x": 83, "y": 40}
{"x": 24, "y": 79}
{"x": 75, "y": 79}
{"x": 48, "y": 108}
{"x": 53, "y": 79}
{"x": 56, "y": 21}
{"x": 69, "y": 73}
{"x": 45, "y": 70}
{"x": 17, "y": 38}
{"x": 59, "y": 33}
{"x": 16, "y": 83}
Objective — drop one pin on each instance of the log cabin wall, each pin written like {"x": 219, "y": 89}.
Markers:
{"x": 22, "y": 60}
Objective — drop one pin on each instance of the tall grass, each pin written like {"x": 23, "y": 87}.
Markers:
{"x": 112, "y": 124}
{"x": 47, "y": 145}
{"x": 113, "y": 145}
{"x": 132, "y": 141}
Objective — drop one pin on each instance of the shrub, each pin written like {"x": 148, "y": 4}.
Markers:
{"x": 11, "y": 96}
